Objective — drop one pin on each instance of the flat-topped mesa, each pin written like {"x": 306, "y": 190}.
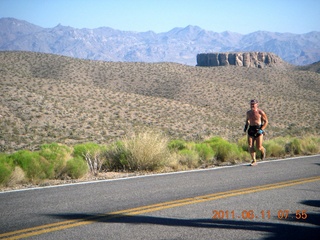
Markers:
{"x": 244, "y": 59}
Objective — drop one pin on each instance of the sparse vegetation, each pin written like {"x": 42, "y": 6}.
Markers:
{"x": 146, "y": 150}
{"x": 47, "y": 98}
{"x": 93, "y": 105}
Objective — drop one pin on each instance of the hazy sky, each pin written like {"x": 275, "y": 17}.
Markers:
{"x": 241, "y": 16}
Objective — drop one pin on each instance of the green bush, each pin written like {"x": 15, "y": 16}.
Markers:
{"x": 54, "y": 151}
{"x": 275, "y": 148}
{"x": 93, "y": 153}
{"x": 5, "y": 173}
{"x": 35, "y": 166}
{"x": 6, "y": 169}
{"x": 56, "y": 155}
{"x": 80, "y": 150}
{"x": 224, "y": 151}
{"x": 243, "y": 143}
{"x": 177, "y": 145}
{"x": 280, "y": 146}
{"x": 76, "y": 168}
{"x": 294, "y": 147}
{"x": 117, "y": 157}
{"x": 206, "y": 153}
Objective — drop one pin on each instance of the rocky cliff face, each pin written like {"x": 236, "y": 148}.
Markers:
{"x": 244, "y": 59}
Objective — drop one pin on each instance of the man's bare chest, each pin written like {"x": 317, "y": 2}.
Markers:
{"x": 254, "y": 116}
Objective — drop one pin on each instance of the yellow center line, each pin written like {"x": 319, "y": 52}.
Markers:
{"x": 28, "y": 232}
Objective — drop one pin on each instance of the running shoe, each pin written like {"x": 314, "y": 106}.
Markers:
{"x": 254, "y": 163}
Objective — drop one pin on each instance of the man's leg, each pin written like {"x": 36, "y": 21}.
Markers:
{"x": 251, "y": 149}
{"x": 260, "y": 147}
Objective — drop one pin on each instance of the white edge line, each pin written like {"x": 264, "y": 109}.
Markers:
{"x": 155, "y": 175}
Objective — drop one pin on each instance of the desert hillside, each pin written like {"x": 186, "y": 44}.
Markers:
{"x": 50, "y": 98}
{"x": 315, "y": 67}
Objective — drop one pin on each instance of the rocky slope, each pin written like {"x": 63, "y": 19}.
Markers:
{"x": 52, "y": 98}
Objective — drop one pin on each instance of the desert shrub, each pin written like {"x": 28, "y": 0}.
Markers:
{"x": 53, "y": 151}
{"x": 116, "y": 157}
{"x": 310, "y": 145}
{"x": 56, "y": 155}
{"x": 80, "y": 150}
{"x": 5, "y": 173}
{"x": 282, "y": 146}
{"x": 5, "y": 158}
{"x": 275, "y": 147}
{"x": 177, "y": 144}
{"x": 243, "y": 143}
{"x": 145, "y": 149}
{"x": 6, "y": 169}
{"x": 224, "y": 151}
{"x": 243, "y": 149}
{"x": 294, "y": 147}
{"x": 32, "y": 164}
{"x": 206, "y": 153}
{"x": 93, "y": 153}
{"x": 189, "y": 158}
{"x": 76, "y": 167}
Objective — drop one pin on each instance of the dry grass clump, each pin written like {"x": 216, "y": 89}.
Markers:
{"x": 17, "y": 177}
{"x": 143, "y": 150}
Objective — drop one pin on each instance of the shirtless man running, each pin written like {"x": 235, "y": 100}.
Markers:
{"x": 257, "y": 121}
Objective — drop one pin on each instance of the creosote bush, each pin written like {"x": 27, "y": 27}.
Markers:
{"x": 226, "y": 151}
{"x": 57, "y": 155}
{"x": 177, "y": 144}
{"x": 205, "y": 151}
{"x": 6, "y": 169}
{"x": 193, "y": 155}
{"x": 76, "y": 167}
{"x": 35, "y": 166}
{"x": 50, "y": 162}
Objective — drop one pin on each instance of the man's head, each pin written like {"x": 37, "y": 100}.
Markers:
{"x": 254, "y": 103}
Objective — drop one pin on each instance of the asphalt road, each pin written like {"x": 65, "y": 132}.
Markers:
{"x": 276, "y": 199}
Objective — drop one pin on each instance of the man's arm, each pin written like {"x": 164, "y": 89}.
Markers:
{"x": 246, "y": 123}
{"x": 264, "y": 119}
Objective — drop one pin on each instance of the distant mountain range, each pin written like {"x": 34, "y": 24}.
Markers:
{"x": 180, "y": 45}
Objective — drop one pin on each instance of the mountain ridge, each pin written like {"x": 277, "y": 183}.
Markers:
{"x": 180, "y": 45}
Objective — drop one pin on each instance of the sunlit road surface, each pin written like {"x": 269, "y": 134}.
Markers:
{"x": 276, "y": 199}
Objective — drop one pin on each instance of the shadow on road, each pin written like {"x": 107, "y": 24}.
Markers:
{"x": 276, "y": 230}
